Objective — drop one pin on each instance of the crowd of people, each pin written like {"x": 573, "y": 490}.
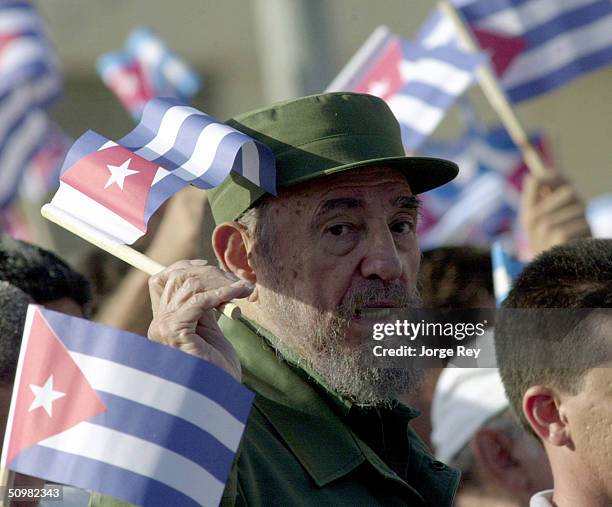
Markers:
{"x": 312, "y": 269}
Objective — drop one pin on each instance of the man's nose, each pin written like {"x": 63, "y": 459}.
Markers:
{"x": 381, "y": 259}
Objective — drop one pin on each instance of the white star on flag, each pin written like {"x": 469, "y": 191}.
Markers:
{"x": 45, "y": 396}
{"x": 119, "y": 173}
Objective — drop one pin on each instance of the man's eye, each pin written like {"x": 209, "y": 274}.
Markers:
{"x": 403, "y": 226}
{"x": 338, "y": 229}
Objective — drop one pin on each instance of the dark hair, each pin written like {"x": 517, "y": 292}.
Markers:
{"x": 456, "y": 277}
{"x": 556, "y": 346}
{"x": 41, "y": 274}
{"x": 13, "y": 308}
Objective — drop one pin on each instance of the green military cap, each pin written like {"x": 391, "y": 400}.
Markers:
{"x": 324, "y": 134}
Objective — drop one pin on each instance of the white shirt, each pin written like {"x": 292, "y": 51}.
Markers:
{"x": 542, "y": 499}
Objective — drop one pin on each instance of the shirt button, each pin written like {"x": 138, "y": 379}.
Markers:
{"x": 437, "y": 465}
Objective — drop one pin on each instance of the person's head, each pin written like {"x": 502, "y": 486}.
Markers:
{"x": 475, "y": 432}
{"x": 42, "y": 275}
{"x": 554, "y": 349}
{"x": 336, "y": 250}
{"x": 13, "y": 307}
{"x": 456, "y": 277}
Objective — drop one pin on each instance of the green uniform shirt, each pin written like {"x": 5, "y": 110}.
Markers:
{"x": 304, "y": 446}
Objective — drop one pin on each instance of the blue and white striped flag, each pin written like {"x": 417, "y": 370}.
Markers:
{"x": 113, "y": 189}
{"x": 26, "y": 54}
{"x": 110, "y": 411}
{"x": 170, "y": 75}
{"x": 482, "y": 202}
{"x": 146, "y": 69}
{"x": 29, "y": 81}
{"x": 505, "y": 269}
{"x": 418, "y": 84}
{"x": 195, "y": 147}
{"x": 536, "y": 46}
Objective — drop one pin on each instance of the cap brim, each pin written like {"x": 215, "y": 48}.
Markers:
{"x": 422, "y": 173}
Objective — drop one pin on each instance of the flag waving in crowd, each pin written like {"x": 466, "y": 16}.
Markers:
{"x": 147, "y": 68}
{"x": 535, "y": 46}
{"x": 418, "y": 84}
{"x": 482, "y": 202}
{"x": 29, "y": 81}
{"x": 103, "y": 409}
{"x": 116, "y": 187}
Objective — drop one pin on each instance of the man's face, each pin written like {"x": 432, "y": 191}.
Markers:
{"x": 344, "y": 255}
{"x": 590, "y": 419}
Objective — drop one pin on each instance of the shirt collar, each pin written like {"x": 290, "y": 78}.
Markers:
{"x": 542, "y": 499}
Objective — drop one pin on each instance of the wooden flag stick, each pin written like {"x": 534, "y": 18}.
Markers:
{"x": 496, "y": 96}
{"x": 6, "y": 481}
{"x": 116, "y": 248}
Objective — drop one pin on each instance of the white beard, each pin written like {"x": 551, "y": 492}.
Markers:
{"x": 317, "y": 339}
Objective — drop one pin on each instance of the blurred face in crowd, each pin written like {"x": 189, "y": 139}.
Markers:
{"x": 342, "y": 254}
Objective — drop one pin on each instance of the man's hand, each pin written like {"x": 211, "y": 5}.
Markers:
{"x": 183, "y": 297}
{"x": 552, "y": 213}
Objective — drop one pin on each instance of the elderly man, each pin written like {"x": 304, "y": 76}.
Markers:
{"x": 333, "y": 253}
{"x": 554, "y": 347}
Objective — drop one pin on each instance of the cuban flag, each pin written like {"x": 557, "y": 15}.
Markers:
{"x": 26, "y": 54}
{"x": 103, "y": 409}
{"x": 419, "y": 84}
{"x": 535, "y": 46}
{"x": 482, "y": 202}
{"x": 29, "y": 81}
{"x": 505, "y": 269}
{"x": 43, "y": 172}
{"x": 145, "y": 69}
{"x": 169, "y": 73}
{"x": 438, "y": 30}
{"x": 126, "y": 77}
{"x": 21, "y": 136}
{"x": 113, "y": 189}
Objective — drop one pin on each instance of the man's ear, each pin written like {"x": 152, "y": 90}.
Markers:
{"x": 493, "y": 451}
{"x": 232, "y": 246}
{"x": 541, "y": 407}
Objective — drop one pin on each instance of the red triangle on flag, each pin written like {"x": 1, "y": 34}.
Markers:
{"x": 383, "y": 78}
{"x": 503, "y": 49}
{"x": 118, "y": 179}
{"x": 132, "y": 86}
{"x": 47, "y": 362}
{"x": 5, "y": 39}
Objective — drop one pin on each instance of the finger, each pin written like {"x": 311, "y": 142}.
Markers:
{"x": 529, "y": 195}
{"x": 194, "y": 280}
{"x": 163, "y": 285}
{"x": 563, "y": 196}
{"x": 184, "y": 320}
{"x": 574, "y": 230}
{"x": 158, "y": 281}
{"x": 195, "y": 285}
{"x": 563, "y": 216}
